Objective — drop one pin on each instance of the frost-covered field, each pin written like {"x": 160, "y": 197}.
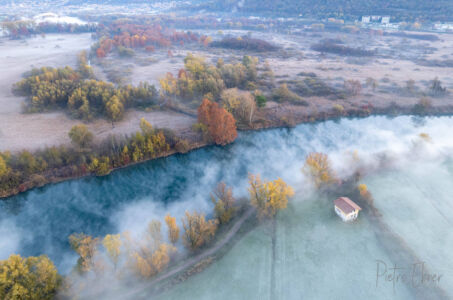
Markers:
{"x": 417, "y": 204}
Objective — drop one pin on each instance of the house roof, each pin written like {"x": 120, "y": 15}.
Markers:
{"x": 346, "y": 205}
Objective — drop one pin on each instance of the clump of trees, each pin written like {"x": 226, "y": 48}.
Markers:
{"x": 331, "y": 47}
{"x": 125, "y": 36}
{"x": 34, "y": 278}
{"x": 219, "y": 123}
{"x": 436, "y": 88}
{"x": 200, "y": 80}
{"x": 23, "y": 28}
{"x": 313, "y": 86}
{"x": 244, "y": 43}
{"x": 83, "y": 98}
{"x": 268, "y": 197}
{"x": 318, "y": 168}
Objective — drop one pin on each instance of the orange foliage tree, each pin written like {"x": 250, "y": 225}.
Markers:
{"x": 221, "y": 124}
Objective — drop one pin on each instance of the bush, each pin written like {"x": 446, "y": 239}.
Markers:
{"x": 283, "y": 94}
{"x": 244, "y": 43}
{"x": 422, "y": 106}
{"x": 338, "y": 108}
{"x": 330, "y": 47}
{"x": 261, "y": 100}
{"x": 125, "y": 52}
{"x": 182, "y": 146}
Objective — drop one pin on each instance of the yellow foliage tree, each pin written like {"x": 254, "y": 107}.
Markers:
{"x": 3, "y": 167}
{"x": 161, "y": 257}
{"x": 363, "y": 189}
{"x": 146, "y": 127}
{"x": 148, "y": 264}
{"x": 173, "y": 229}
{"x": 269, "y": 197}
{"x": 112, "y": 244}
{"x": 317, "y": 167}
{"x": 197, "y": 231}
{"x": 114, "y": 108}
{"x": 81, "y": 136}
{"x": 224, "y": 203}
{"x": 87, "y": 247}
{"x": 32, "y": 278}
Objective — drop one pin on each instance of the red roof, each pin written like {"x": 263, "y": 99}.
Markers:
{"x": 346, "y": 205}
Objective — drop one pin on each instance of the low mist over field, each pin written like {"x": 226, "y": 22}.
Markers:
{"x": 225, "y": 149}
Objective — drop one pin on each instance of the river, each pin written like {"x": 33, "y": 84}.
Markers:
{"x": 317, "y": 254}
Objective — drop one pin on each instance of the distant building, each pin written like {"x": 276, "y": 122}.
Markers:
{"x": 346, "y": 209}
{"x": 366, "y": 19}
{"x": 443, "y": 26}
{"x": 385, "y": 20}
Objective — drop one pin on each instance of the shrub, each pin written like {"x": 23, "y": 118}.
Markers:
{"x": 261, "y": 100}
{"x": 182, "y": 146}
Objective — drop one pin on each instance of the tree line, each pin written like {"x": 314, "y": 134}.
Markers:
{"x": 122, "y": 34}
{"x": 22, "y": 170}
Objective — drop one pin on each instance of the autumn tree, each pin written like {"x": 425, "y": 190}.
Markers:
{"x": 372, "y": 83}
{"x": 154, "y": 234}
{"x": 31, "y": 278}
{"x": 173, "y": 229}
{"x": 365, "y": 193}
{"x": 114, "y": 108}
{"x": 146, "y": 127}
{"x": 437, "y": 88}
{"x": 150, "y": 264}
{"x": 220, "y": 123}
{"x": 268, "y": 196}
{"x": 240, "y": 103}
{"x": 317, "y": 168}
{"x": 153, "y": 255}
{"x": 112, "y": 244}
{"x": 80, "y": 136}
{"x": 197, "y": 230}
{"x": 224, "y": 203}
{"x": 87, "y": 247}
{"x": 353, "y": 87}
{"x": 3, "y": 167}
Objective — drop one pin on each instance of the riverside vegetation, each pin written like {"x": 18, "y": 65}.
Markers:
{"x": 143, "y": 257}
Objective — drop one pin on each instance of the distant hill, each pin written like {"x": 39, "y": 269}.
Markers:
{"x": 399, "y": 10}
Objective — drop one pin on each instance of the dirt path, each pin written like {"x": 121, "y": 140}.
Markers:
{"x": 192, "y": 261}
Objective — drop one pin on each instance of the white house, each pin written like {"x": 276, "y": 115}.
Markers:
{"x": 346, "y": 209}
{"x": 385, "y": 20}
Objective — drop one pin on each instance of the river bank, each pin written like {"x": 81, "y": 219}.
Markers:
{"x": 274, "y": 116}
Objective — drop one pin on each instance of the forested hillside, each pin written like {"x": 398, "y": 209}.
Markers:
{"x": 400, "y": 10}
